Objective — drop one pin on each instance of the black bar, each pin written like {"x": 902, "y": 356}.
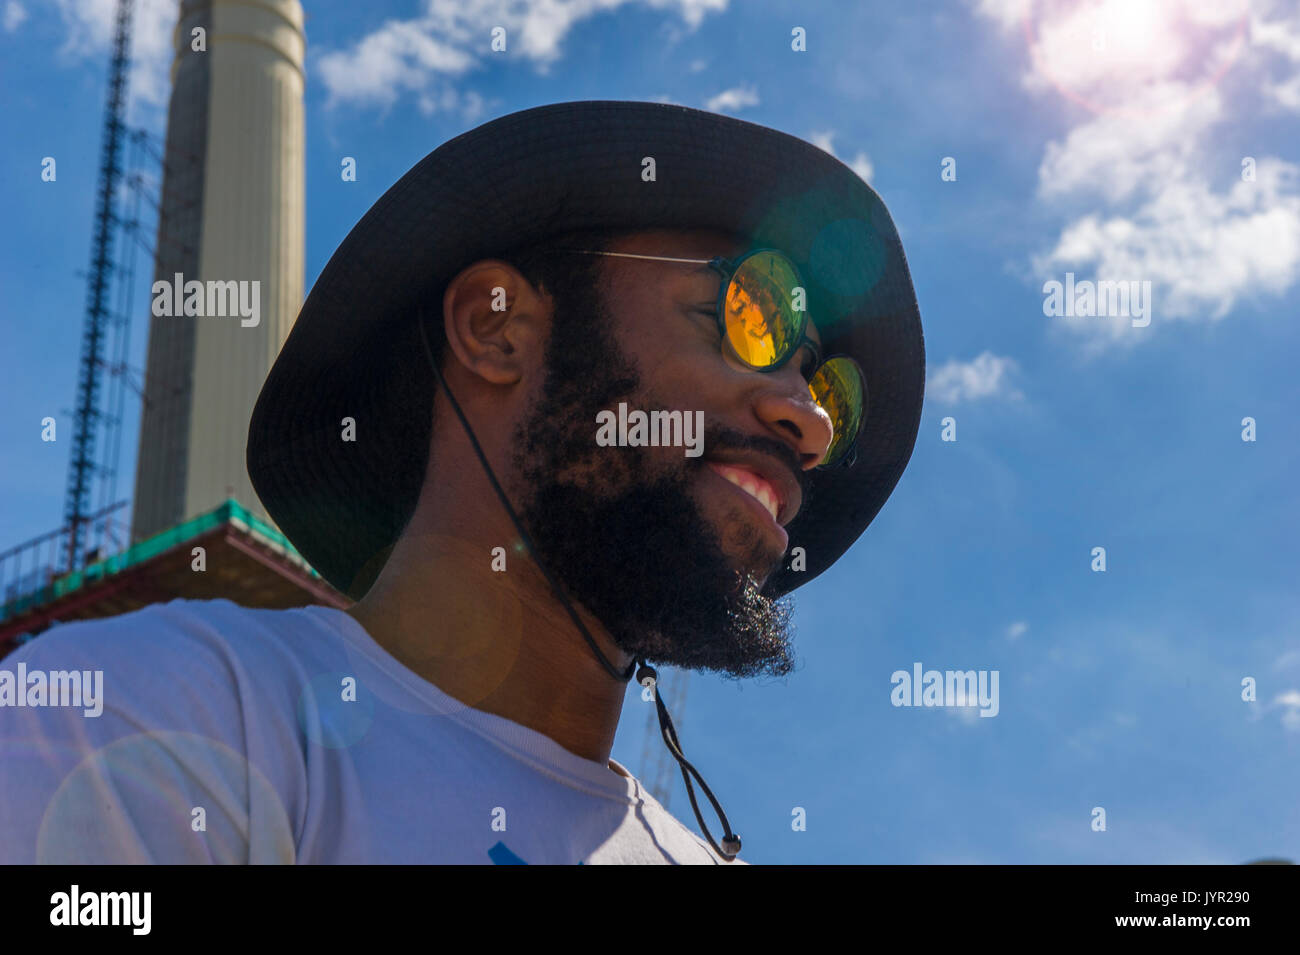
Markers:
{"x": 976, "y": 904}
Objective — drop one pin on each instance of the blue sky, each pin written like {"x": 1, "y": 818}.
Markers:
{"x": 1105, "y": 139}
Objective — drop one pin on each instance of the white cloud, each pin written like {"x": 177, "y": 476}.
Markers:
{"x": 471, "y": 105}
{"x": 1009, "y": 13}
{"x": 1281, "y": 38}
{"x": 1160, "y": 204}
{"x": 89, "y": 26}
{"x": 1112, "y": 156}
{"x": 861, "y": 163}
{"x": 1290, "y": 703}
{"x": 14, "y": 16}
{"x": 1281, "y": 35}
{"x": 1202, "y": 250}
{"x": 1017, "y": 630}
{"x": 732, "y": 100}
{"x": 692, "y": 12}
{"x": 987, "y": 376}
{"x": 862, "y": 166}
{"x": 427, "y": 54}
{"x": 1098, "y": 48}
{"x": 1286, "y": 93}
{"x": 399, "y": 56}
{"x": 1287, "y": 660}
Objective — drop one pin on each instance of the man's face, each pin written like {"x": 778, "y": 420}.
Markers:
{"x": 670, "y": 552}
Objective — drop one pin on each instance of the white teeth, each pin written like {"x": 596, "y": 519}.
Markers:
{"x": 745, "y": 481}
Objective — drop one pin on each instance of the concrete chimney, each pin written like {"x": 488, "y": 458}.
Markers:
{"x": 232, "y": 212}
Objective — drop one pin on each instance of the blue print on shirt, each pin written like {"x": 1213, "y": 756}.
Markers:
{"x": 500, "y": 855}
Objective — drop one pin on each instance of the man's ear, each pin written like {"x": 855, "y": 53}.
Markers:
{"x": 495, "y": 321}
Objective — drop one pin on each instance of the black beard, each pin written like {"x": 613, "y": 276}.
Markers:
{"x": 629, "y": 544}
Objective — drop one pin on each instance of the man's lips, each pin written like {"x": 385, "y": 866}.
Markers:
{"x": 763, "y": 498}
{"x": 764, "y": 477}
{"x": 752, "y": 484}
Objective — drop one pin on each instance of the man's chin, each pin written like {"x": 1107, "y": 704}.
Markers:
{"x": 757, "y": 569}
{"x": 747, "y": 549}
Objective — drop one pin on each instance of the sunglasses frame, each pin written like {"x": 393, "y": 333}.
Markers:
{"x": 727, "y": 269}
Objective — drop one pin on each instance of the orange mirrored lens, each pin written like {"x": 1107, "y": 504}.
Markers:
{"x": 760, "y": 318}
{"x": 838, "y": 388}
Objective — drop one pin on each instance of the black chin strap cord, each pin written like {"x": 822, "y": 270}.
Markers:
{"x": 613, "y": 671}
{"x": 730, "y": 847}
{"x": 645, "y": 675}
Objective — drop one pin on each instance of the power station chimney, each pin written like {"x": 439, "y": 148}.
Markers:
{"x": 232, "y": 212}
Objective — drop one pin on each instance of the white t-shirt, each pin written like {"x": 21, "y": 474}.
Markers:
{"x": 236, "y": 735}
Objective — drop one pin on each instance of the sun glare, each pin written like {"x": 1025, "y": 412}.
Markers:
{"x": 1134, "y": 54}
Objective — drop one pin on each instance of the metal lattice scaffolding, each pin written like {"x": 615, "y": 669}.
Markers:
{"x": 87, "y": 416}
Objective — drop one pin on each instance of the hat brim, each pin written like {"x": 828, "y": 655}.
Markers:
{"x": 354, "y": 351}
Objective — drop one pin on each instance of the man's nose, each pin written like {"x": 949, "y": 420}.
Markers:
{"x": 791, "y": 413}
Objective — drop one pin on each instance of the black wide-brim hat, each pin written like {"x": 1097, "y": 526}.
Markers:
{"x": 355, "y": 352}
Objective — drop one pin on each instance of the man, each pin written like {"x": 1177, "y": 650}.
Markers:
{"x": 511, "y": 571}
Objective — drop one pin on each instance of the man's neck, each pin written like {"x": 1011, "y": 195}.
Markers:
{"x": 499, "y": 641}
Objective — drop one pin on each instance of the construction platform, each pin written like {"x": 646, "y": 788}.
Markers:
{"x": 246, "y": 560}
